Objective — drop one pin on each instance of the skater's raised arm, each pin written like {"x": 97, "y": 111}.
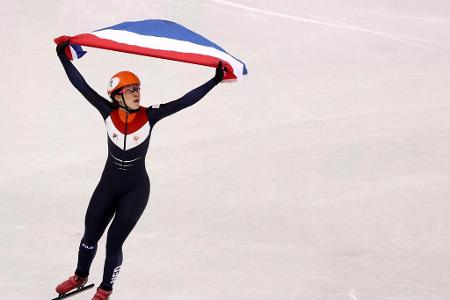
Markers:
{"x": 158, "y": 112}
{"x": 103, "y": 105}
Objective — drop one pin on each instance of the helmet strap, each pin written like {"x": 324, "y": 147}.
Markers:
{"x": 126, "y": 106}
{"x": 123, "y": 100}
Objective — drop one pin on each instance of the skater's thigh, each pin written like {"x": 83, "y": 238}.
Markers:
{"x": 102, "y": 200}
{"x": 131, "y": 205}
{"x": 100, "y": 210}
{"x": 129, "y": 211}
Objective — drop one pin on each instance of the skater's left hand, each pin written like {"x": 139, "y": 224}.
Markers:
{"x": 220, "y": 71}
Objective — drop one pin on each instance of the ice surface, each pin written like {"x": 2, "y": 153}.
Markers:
{"x": 322, "y": 175}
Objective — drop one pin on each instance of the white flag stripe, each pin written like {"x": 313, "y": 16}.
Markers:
{"x": 162, "y": 43}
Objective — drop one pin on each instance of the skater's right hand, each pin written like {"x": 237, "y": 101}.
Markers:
{"x": 61, "y": 47}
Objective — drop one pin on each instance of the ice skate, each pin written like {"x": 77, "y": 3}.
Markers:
{"x": 101, "y": 294}
{"x": 73, "y": 285}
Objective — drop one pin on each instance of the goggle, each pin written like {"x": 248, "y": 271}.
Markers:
{"x": 131, "y": 89}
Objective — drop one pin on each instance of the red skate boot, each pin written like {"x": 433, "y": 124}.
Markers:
{"x": 101, "y": 294}
{"x": 74, "y": 282}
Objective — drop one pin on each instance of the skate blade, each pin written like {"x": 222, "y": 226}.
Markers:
{"x": 82, "y": 289}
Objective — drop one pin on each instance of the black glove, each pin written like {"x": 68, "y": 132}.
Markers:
{"x": 61, "y": 47}
{"x": 219, "y": 73}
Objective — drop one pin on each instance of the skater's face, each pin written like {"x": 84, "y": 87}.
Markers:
{"x": 132, "y": 95}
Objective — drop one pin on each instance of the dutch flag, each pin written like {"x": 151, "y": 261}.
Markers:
{"x": 158, "y": 38}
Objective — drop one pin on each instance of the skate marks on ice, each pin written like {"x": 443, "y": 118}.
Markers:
{"x": 352, "y": 295}
{"x": 410, "y": 40}
{"x": 357, "y": 295}
{"x": 398, "y": 16}
{"x": 405, "y": 17}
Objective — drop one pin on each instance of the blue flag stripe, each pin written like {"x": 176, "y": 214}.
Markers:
{"x": 166, "y": 29}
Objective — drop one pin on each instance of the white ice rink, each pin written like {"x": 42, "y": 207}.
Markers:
{"x": 323, "y": 175}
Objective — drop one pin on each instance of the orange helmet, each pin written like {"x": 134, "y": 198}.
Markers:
{"x": 122, "y": 79}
